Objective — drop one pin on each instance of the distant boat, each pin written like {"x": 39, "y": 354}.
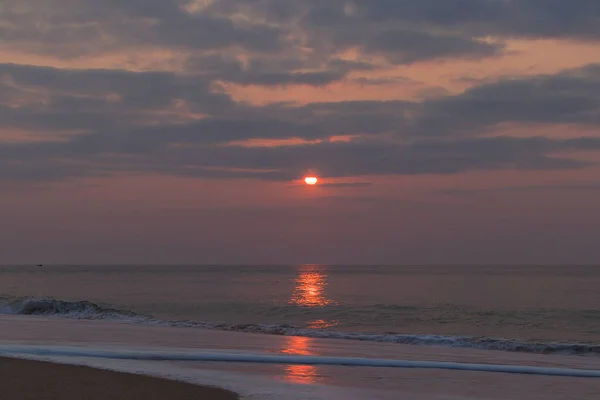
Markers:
{"x": 39, "y": 265}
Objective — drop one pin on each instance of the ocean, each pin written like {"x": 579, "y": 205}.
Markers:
{"x": 440, "y": 313}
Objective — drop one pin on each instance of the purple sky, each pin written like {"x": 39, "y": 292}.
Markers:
{"x": 175, "y": 131}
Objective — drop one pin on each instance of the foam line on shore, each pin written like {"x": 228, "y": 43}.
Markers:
{"x": 54, "y": 351}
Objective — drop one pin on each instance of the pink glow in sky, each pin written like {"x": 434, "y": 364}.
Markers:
{"x": 167, "y": 131}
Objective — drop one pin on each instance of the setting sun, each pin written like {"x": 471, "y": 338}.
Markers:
{"x": 311, "y": 180}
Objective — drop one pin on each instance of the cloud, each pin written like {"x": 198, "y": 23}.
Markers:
{"x": 576, "y": 19}
{"x": 406, "y": 31}
{"x": 83, "y": 27}
{"x": 406, "y": 46}
{"x": 338, "y": 159}
{"x": 122, "y": 106}
{"x": 384, "y": 81}
{"x": 271, "y": 33}
{"x": 88, "y": 100}
{"x": 315, "y": 30}
{"x": 569, "y": 97}
{"x": 593, "y": 187}
{"x": 346, "y": 184}
{"x": 183, "y": 122}
{"x": 180, "y": 124}
{"x": 117, "y": 108}
{"x": 283, "y": 69}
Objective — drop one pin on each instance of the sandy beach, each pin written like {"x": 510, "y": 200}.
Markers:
{"x": 38, "y": 380}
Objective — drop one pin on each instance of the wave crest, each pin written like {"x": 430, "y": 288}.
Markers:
{"x": 82, "y": 309}
{"x": 92, "y": 311}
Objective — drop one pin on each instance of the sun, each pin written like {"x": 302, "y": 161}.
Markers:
{"x": 311, "y": 180}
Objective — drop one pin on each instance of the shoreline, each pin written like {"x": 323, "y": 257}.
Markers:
{"x": 272, "y": 382}
{"x": 43, "y": 380}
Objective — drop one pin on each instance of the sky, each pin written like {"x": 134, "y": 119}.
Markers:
{"x": 179, "y": 131}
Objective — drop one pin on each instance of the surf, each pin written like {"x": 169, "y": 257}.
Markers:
{"x": 192, "y": 356}
{"x": 87, "y": 310}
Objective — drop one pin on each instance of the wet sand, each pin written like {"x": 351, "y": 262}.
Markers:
{"x": 38, "y": 380}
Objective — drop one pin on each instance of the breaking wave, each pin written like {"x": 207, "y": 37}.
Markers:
{"x": 93, "y": 311}
{"x": 53, "y": 351}
{"x": 68, "y": 309}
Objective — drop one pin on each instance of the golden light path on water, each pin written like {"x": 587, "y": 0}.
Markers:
{"x": 310, "y": 287}
{"x": 300, "y": 373}
{"x": 309, "y": 291}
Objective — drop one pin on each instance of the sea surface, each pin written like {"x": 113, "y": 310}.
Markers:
{"x": 312, "y": 332}
{"x": 539, "y": 309}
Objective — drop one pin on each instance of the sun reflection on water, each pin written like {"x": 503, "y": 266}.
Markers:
{"x": 309, "y": 291}
{"x": 321, "y": 324}
{"x": 310, "y": 287}
{"x": 300, "y": 373}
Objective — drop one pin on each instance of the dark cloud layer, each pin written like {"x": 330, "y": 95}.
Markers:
{"x": 275, "y": 34}
{"x": 406, "y": 31}
{"x": 269, "y": 71}
{"x": 79, "y": 27}
{"x": 512, "y": 18}
{"x": 338, "y": 159}
{"x": 569, "y": 97}
{"x": 182, "y": 122}
{"x": 577, "y": 19}
{"x": 111, "y": 109}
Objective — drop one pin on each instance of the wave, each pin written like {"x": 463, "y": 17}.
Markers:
{"x": 53, "y": 351}
{"x": 69, "y": 309}
{"x": 93, "y": 311}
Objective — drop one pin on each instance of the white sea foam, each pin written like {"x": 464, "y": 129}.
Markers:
{"x": 194, "y": 356}
{"x": 92, "y": 311}
{"x": 64, "y": 308}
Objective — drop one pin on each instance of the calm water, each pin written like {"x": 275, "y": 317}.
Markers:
{"x": 525, "y": 303}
